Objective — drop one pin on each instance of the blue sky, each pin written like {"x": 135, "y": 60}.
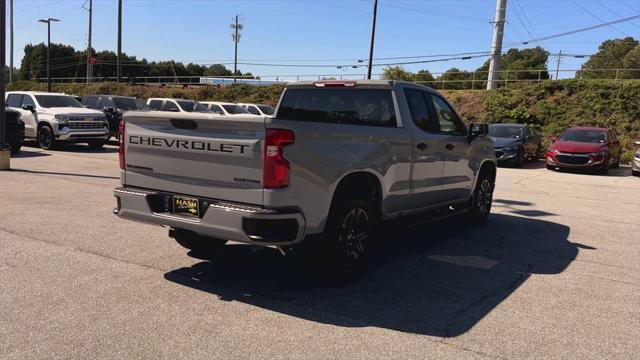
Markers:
{"x": 295, "y": 31}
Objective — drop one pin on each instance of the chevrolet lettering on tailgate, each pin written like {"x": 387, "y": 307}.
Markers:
{"x": 194, "y": 145}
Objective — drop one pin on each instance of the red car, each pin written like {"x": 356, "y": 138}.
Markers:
{"x": 584, "y": 148}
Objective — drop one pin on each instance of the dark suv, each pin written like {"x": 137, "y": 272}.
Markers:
{"x": 516, "y": 143}
{"x": 15, "y": 130}
{"x": 113, "y": 107}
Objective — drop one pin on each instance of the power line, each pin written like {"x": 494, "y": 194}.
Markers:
{"x": 576, "y": 31}
{"x": 613, "y": 12}
{"x": 597, "y": 17}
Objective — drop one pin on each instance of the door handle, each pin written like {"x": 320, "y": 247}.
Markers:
{"x": 422, "y": 146}
{"x": 450, "y": 146}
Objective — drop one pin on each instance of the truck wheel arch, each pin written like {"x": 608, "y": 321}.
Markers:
{"x": 363, "y": 184}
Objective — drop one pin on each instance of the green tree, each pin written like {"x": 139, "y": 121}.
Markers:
{"x": 217, "y": 70}
{"x": 397, "y": 73}
{"x": 515, "y": 64}
{"x": 611, "y": 55}
{"x": 424, "y": 76}
{"x": 455, "y": 79}
{"x": 631, "y": 64}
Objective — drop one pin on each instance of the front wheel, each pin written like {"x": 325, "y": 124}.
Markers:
{"x": 481, "y": 199}
{"x": 46, "y": 140}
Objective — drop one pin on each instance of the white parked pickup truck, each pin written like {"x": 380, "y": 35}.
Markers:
{"x": 52, "y": 118}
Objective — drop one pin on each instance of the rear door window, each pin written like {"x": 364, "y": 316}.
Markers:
{"x": 253, "y": 110}
{"x": 417, "y": 101}
{"x": 155, "y": 104}
{"x": 91, "y": 102}
{"x": 14, "y": 100}
{"x": 370, "y": 107}
{"x": 28, "y": 101}
{"x": 170, "y": 106}
{"x": 106, "y": 102}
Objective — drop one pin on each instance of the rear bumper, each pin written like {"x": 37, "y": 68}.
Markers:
{"x": 221, "y": 219}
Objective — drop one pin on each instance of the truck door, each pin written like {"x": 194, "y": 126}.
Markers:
{"x": 458, "y": 172}
{"x": 427, "y": 152}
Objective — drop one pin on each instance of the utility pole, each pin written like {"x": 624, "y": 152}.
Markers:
{"x": 48, "y": 22}
{"x": 10, "y": 40}
{"x": 89, "y": 54}
{"x": 496, "y": 46}
{"x": 118, "y": 59}
{"x": 236, "y": 39}
{"x": 373, "y": 37}
{"x": 558, "y": 64}
{"x": 5, "y": 154}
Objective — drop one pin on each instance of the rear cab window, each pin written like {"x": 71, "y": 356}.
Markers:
{"x": 352, "y": 106}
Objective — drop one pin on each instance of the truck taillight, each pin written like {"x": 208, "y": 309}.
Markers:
{"x": 121, "y": 144}
{"x": 276, "y": 167}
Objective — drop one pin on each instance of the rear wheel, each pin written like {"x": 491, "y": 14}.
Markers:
{"x": 616, "y": 164}
{"x": 481, "y": 200}
{"x": 347, "y": 238}
{"x": 199, "y": 244}
{"x": 46, "y": 139}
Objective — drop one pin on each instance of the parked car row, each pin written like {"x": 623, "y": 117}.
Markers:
{"x": 588, "y": 148}
{"x": 53, "y": 118}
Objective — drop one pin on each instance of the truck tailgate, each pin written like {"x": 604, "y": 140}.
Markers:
{"x": 195, "y": 154}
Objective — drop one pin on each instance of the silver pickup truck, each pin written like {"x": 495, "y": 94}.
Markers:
{"x": 337, "y": 158}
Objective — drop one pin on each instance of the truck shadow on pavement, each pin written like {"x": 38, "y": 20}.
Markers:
{"x": 438, "y": 279}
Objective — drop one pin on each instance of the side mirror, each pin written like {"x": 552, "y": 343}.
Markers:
{"x": 477, "y": 130}
{"x": 554, "y": 138}
{"x": 108, "y": 109}
{"x": 28, "y": 108}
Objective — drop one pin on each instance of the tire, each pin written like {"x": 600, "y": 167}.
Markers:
{"x": 199, "y": 244}
{"x": 520, "y": 158}
{"x": 96, "y": 145}
{"x": 348, "y": 239}
{"x": 635, "y": 173}
{"x": 480, "y": 204}
{"x": 550, "y": 167}
{"x": 616, "y": 164}
{"x": 15, "y": 147}
{"x": 45, "y": 138}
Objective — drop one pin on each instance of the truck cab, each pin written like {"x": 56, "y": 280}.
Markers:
{"x": 53, "y": 118}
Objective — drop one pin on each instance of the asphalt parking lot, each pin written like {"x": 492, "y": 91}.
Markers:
{"x": 554, "y": 274}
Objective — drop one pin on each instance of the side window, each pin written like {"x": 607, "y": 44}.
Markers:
{"x": 155, "y": 104}
{"x": 14, "y": 100}
{"x": 447, "y": 118}
{"x": 217, "y": 109}
{"x": 105, "y": 102}
{"x": 91, "y": 102}
{"x": 170, "y": 106}
{"x": 253, "y": 110}
{"x": 419, "y": 109}
{"x": 27, "y": 100}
